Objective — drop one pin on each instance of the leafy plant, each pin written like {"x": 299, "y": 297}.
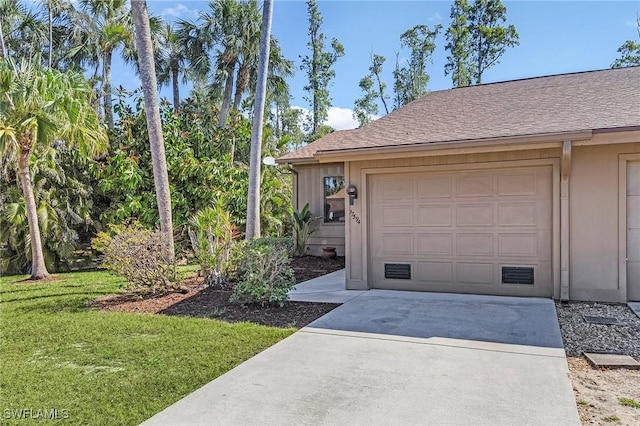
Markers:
{"x": 629, "y": 402}
{"x": 302, "y": 226}
{"x": 212, "y": 233}
{"x": 264, "y": 274}
{"x": 138, "y": 255}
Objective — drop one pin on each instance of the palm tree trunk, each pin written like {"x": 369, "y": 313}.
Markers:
{"x": 106, "y": 88}
{"x": 50, "y": 16}
{"x": 176, "y": 89}
{"x": 38, "y": 266}
{"x": 242, "y": 81}
{"x": 253, "y": 202}
{"x": 226, "y": 100}
{"x": 2, "y": 47}
{"x": 154, "y": 124}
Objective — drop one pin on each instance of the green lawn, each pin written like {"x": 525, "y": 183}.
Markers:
{"x": 106, "y": 368}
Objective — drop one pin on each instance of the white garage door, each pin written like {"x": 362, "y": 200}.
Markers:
{"x": 484, "y": 231}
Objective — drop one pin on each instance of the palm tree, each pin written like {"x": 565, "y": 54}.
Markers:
{"x": 147, "y": 70}
{"x": 171, "y": 61}
{"x": 226, "y": 22}
{"x": 253, "y": 201}
{"x": 40, "y": 109}
{"x": 248, "y": 43}
{"x": 22, "y": 32}
{"x": 101, "y": 28}
{"x": 217, "y": 38}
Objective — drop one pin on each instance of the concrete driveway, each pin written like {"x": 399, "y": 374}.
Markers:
{"x": 387, "y": 357}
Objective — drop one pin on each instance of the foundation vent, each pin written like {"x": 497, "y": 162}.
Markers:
{"x": 397, "y": 271}
{"x": 517, "y": 275}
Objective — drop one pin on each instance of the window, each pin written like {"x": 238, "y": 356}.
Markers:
{"x": 334, "y": 194}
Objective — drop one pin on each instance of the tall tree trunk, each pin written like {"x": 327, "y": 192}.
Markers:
{"x": 176, "y": 88}
{"x": 314, "y": 70}
{"x": 2, "y": 47}
{"x": 50, "y": 16}
{"x": 253, "y": 202}
{"x": 38, "y": 267}
{"x": 381, "y": 92}
{"x": 154, "y": 124}
{"x": 226, "y": 100}
{"x": 242, "y": 81}
{"x": 106, "y": 88}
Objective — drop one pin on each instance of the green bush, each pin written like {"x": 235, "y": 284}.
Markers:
{"x": 137, "y": 254}
{"x": 212, "y": 233}
{"x": 302, "y": 226}
{"x": 263, "y": 271}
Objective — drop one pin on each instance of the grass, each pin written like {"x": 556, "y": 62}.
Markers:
{"x": 612, "y": 419}
{"x": 628, "y": 402}
{"x": 107, "y": 368}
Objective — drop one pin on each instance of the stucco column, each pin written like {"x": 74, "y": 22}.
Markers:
{"x": 565, "y": 172}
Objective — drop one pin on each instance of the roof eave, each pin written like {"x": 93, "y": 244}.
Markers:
{"x": 294, "y": 161}
{"x": 446, "y": 147}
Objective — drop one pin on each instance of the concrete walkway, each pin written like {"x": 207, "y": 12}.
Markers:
{"x": 635, "y": 307}
{"x": 388, "y": 357}
{"x": 326, "y": 289}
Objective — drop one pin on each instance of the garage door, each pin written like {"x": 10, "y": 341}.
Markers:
{"x": 484, "y": 232}
{"x": 633, "y": 230}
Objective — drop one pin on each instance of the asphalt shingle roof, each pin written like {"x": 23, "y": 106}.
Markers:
{"x": 592, "y": 100}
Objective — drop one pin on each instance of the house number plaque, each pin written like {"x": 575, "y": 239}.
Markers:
{"x": 354, "y": 216}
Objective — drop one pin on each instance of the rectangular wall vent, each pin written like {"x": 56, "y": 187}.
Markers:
{"x": 517, "y": 275}
{"x": 397, "y": 271}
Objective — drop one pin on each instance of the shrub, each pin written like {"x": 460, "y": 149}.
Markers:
{"x": 263, "y": 271}
{"x": 212, "y": 233}
{"x": 137, "y": 254}
{"x": 302, "y": 226}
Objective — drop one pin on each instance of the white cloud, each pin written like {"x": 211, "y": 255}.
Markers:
{"x": 435, "y": 17}
{"x": 341, "y": 118}
{"x": 337, "y": 118}
{"x": 179, "y": 11}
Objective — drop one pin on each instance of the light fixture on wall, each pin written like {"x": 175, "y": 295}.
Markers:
{"x": 353, "y": 193}
{"x": 269, "y": 161}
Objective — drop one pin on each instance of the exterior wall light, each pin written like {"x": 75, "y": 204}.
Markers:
{"x": 353, "y": 193}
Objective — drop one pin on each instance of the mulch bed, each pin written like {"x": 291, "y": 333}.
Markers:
{"x": 206, "y": 302}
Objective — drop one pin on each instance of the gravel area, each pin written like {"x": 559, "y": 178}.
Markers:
{"x": 580, "y": 336}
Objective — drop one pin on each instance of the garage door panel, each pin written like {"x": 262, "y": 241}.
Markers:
{"x": 475, "y": 273}
{"x": 435, "y": 272}
{"x": 466, "y": 224}
{"x": 512, "y": 183}
{"x": 397, "y": 215}
{"x": 520, "y": 214}
{"x": 633, "y": 205}
{"x": 474, "y": 215}
{"x": 435, "y": 215}
{"x": 475, "y": 184}
{"x": 438, "y": 244}
{"x": 474, "y": 245}
{"x": 397, "y": 188}
{"x": 435, "y": 186}
{"x": 633, "y": 250}
{"x": 397, "y": 244}
{"x": 520, "y": 245}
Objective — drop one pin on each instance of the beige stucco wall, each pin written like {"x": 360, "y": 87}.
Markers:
{"x": 595, "y": 239}
{"x": 310, "y": 189}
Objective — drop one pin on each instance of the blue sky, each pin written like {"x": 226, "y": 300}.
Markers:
{"x": 555, "y": 37}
